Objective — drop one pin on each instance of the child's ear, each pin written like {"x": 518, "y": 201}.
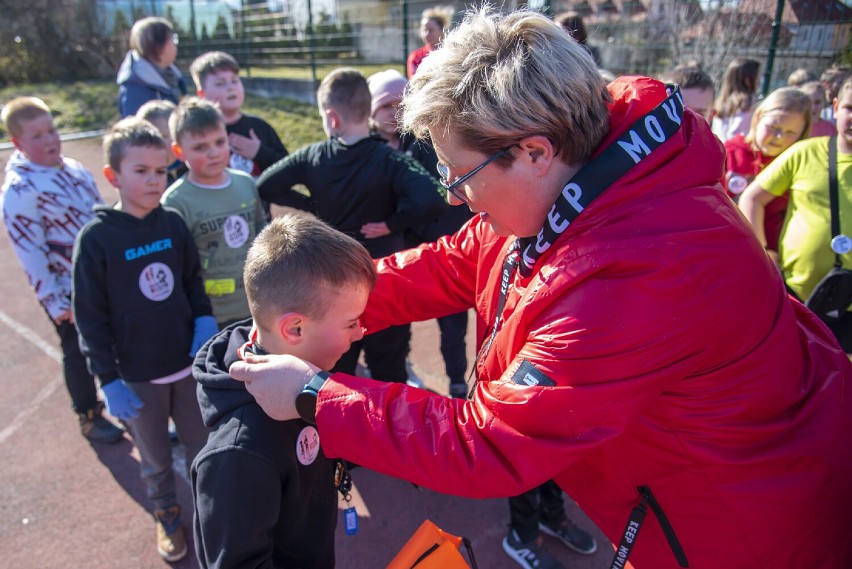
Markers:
{"x": 290, "y": 327}
{"x": 333, "y": 118}
{"x": 16, "y": 144}
{"x": 110, "y": 175}
{"x": 176, "y": 150}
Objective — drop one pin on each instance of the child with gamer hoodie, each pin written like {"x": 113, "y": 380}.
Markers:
{"x": 142, "y": 315}
{"x": 255, "y": 505}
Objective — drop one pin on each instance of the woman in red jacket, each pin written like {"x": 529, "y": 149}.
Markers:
{"x": 620, "y": 354}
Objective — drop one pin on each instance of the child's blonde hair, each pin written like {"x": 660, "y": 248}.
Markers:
{"x": 289, "y": 267}
{"x": 443, "y": 15}
{"x": 787, "y": 99}
{"x": 22, "y": 109}
{"x": 156, "y": 110}
{"x": 127, "y": 133}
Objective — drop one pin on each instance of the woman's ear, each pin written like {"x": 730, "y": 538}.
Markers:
{"x": 537, "y": 151}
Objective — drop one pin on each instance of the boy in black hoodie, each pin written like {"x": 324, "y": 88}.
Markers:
{"x": 142, "y": 314}
{"x": 307, "y": 285}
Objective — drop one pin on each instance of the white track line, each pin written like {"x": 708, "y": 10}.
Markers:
{"x": 53, "y": 353}
{"x": 33, "y": 338}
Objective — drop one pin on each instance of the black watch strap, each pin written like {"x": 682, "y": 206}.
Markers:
{"x": 306, "y": 400}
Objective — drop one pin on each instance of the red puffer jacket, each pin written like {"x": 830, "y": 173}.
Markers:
{"x": 679, "y": 364}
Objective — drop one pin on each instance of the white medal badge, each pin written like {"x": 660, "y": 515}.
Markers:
{"x": 235, "y": 231}
{"x": 307, "y": 445}
{"x": 156, "y": 282}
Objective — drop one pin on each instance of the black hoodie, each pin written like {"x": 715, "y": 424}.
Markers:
{"x": 137, "y": 292}
{"x": 256, "y": 503}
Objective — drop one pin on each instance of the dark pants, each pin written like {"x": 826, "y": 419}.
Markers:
{"x": 453, "y": 330}
{"x": 150, "y": 432}
{"x": 79, "y": 382}
{"x": 542, "y": 504}
{"x": 384, "y": 353}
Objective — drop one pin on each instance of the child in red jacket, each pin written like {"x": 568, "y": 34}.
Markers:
{"x": 782, "y": 118}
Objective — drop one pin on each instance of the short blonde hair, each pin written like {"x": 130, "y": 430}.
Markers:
{"x": 800, "y": 76}
{"x": 443, "y": 15}
{"x": 787, "y": 99}
{"x": 127, "y": 133}
{"x": 296, "y": 261}
{"x": 500, "y": 78}
{"x": 156, "y": 110}
{"x": 22, "y": 109}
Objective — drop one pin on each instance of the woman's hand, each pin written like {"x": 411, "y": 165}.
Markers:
{"x": 274, "y": 381}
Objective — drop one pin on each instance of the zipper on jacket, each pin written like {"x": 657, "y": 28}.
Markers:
{"x": 634, "y": 524}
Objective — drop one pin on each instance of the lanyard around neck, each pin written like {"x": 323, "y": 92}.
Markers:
{"x": 644, "y": 136}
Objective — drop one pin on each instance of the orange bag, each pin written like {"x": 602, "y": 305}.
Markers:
{"x": 432, "y": 548}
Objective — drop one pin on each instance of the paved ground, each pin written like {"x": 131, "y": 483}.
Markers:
{"x": 65, "y": 503}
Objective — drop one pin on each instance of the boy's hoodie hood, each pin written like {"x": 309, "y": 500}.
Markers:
{"x": 137, "y": 69}
{"x": 218, "y": 393}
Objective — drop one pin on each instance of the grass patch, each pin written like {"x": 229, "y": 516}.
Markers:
{"x": 92, "y": 105}
{"x": 304, "y": 72}
{"x": 77, "y": 106}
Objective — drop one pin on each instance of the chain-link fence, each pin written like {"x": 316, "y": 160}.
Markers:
{"x": 304, "y": 38}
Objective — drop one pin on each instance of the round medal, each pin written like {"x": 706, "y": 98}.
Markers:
{"x": 841, "y": 244}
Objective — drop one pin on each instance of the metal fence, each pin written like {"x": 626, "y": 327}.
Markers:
{"x": 302, "y": 37}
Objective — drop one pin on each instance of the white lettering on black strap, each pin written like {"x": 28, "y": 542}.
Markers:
{"x": 644, "y": 136}
{"x": 634, "y": 524}
{"x": 647, "y": 134}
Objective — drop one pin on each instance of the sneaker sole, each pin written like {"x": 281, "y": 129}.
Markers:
{"x": 174, "y": 556}
{"x": 568, "y": 544}
{"x": 513, "y": 553}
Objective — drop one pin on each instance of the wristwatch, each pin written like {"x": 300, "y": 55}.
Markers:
{"x": 306, "y": 400}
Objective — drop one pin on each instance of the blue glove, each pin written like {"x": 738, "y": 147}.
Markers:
{"x": 205, "y": 328}
{"x": 121, "y": 402}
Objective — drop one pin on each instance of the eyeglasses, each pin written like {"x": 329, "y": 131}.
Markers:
{"x": 444, "y": 173}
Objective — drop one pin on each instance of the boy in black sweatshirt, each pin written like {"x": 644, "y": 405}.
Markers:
{"x": 255, "y": 506}
{"x": 142, "y": 314}
{"x": 364, "y": 188}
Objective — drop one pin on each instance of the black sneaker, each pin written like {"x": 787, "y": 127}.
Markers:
{"x": 95, "y": 427}
{"x": 529, "y": 555}
{"x": 577, "y": 539}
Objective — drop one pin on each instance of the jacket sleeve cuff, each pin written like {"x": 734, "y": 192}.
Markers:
{"x": 107, "y": 378}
